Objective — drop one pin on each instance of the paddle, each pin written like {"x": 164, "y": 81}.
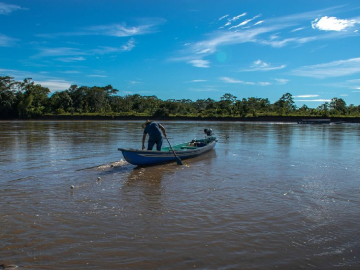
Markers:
{"x": 178, "y": 160}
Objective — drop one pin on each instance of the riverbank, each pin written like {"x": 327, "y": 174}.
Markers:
{"x": 286, "y": 119}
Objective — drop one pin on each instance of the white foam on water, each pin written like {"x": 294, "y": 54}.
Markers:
{"x": 119, "y": 163}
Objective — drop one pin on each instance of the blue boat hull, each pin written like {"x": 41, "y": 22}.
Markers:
{"x": 148, "y": 157}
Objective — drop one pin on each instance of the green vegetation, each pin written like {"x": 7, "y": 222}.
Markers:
{"x": 28, "y": 100}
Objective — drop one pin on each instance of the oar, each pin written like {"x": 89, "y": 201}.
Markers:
{"x": 178, "y": 160}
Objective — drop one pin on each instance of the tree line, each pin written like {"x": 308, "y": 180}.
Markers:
{"x": 26, "y": 100}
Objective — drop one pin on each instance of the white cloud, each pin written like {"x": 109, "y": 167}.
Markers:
{"x": 196, "y": 81}
{"x": 305, "y": 96}
{"x": 97, "y": 76}
{"x": 282, "y": 81}
{"x": 231, "y": 80}
{"x": 129, "y": 45}
{"x": 260, "y": 65}
{"x": 264, "y": 83}
{"x": 199, "y": 63}
{"x": 77, "y": 54}
{"x": 54, "y": 85}
{"x": 268, "y": 33}
{"x": 60, "y": 51}
{"x": 6, "y": 41}
{"x": 312, "y": 100}
{"x": 71, "y": 59}
{"x": 332, "y": 24}
{"x": 233, "y": 19}
{"x": 223, "y": 17}
{"x": 145, "y": 26}
{"x": 332, "y": 69}
{"x": 8, "y": 8}
{"x": 133, "y": 82}
{"x": 349, "y": 84}
{"x": 238, "y": 17}
{"x": 240, "y": 24}
{"x": 118, "y": 30}
{"x": 298, "y": 29}
{"x": 259, "y": 22}
{"x": 245, "y": 22}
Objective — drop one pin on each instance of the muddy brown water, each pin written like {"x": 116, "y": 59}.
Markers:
{"x": 270, "y": 196}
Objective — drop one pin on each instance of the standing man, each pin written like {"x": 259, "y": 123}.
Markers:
{"x": 154, "y": 130}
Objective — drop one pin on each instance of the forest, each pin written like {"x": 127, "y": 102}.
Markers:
{"x": 27, "y": 100}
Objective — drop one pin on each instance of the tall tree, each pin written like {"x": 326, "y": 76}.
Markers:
{"x": 285, "y": 104}
{"x": 8, "y": 88}
{"x": 34, "y": 99}
{"x": 338, "y": 106}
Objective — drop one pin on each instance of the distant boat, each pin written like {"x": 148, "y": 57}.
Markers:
{"x": 183, "y": 151}
{"x": 318, "y": 121}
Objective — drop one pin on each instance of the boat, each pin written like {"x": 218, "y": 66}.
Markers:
{"x": 183, "y": 151}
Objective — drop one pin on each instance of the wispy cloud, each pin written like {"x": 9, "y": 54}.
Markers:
{"x": 349, "y": 84}
{"x": 232, "y": 80}
{"x": 129, "y": 45}
{"x": 133, "y": 82}
{"x": 245, "y": 22}
{"x": 312, "y": 100}
{"x": 259, "y": 22}
{"x": 199, "y": 63}
{"x": 231, "y": 20}
{"x": 298, "y": 29}
{"x": 264, "y": 83}
{"x": 282, "y": 81}
{"x": 305, "y": 96}
{"x": 8, "y": 8}
{"x": 97, "y": 76}
{"x": 143, "y": 27}
{"x": 223, "y": 17}
{"x": 72, "y": 72}
{"x": 122, "y": 30}
{"x": 268, "y": 32}
{"x": 71, "y": 59}
{"x": 60, "y": 51}
{"x": 332, "y": 69}
{"x": 333, "y": 24}
{"x": 6, "y": 41}
{"x": 260, "y": 65}
{"x": 55, "y": 85}
{"x": 77, "y": 54}
{"x": 197, "y": 81}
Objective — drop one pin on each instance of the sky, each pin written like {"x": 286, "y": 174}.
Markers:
{"x": 187, "y": 49}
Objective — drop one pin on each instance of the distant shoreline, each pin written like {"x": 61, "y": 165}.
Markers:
{"x": 286, "y": 119}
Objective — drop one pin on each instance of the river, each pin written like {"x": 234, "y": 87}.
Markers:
{"x": 269, "y": 196}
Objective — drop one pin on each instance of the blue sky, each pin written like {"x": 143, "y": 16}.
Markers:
{"x": 187, "y": 49}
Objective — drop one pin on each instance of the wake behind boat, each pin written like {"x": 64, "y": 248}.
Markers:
{"x": 183, "y": 151}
